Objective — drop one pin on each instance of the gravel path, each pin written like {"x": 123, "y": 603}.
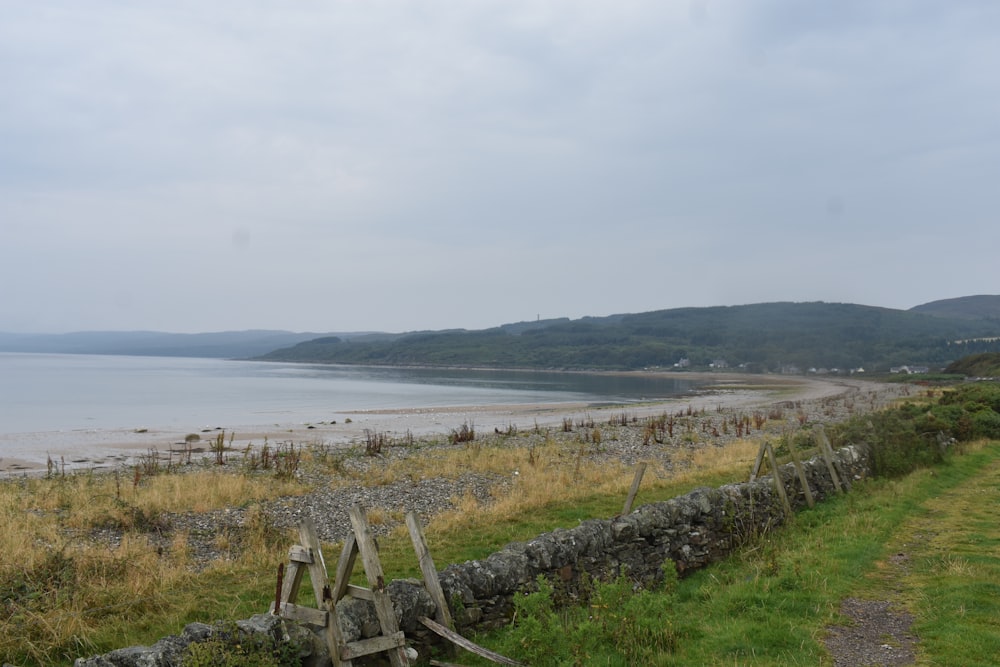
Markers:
{"x": 877, "y": 634}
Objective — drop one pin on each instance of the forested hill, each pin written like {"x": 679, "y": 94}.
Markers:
{"x": 986, "y": 364}
{"x": 759, "y": 337}
{"x": 981, "y": 306}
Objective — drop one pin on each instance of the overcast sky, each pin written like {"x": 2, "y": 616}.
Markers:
{"x": 342, "y": 166}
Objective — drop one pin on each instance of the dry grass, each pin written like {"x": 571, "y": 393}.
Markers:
{"x": 88, "y": 500}
{"x": 66, "y": 580}
{"x": 550, "y": 473}
{"x": 737, "y": 454}
{"x": 69, "y": 594}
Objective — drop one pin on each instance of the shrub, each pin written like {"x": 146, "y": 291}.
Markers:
{"x": 464, "y": 433}
{"x": 911, "y": 435}
{"x": 230, "y": 647}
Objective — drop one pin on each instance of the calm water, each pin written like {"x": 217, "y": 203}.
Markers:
{"x": 53, "y": 392}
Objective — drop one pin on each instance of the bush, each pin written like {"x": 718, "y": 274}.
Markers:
{"x": 986, "y": 424}
{"x": 230, "y": 647}
{"x": 911, "y": 436}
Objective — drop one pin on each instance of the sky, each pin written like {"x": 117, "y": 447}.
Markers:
{"x": 334, "y": 166}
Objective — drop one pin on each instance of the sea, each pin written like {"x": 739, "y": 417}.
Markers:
{"x": 80, "y": 394}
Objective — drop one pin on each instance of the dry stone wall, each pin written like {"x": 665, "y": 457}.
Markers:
{"x": 685, "y": 533}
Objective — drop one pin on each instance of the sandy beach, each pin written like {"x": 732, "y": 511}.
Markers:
{"x": 83, "y": 449}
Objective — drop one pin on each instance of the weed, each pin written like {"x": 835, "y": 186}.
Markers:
{"x": 287, "y": 459}
{"x": 510, "y": 431}
{"x": 219, "y": 448}
{"x": 231, "y": 647}
{"x": 148, "y": 464}
{"x": 374, "y": 441}
{"x": 464, "y": 433}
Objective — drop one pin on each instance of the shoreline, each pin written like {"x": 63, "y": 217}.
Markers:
{"x": 108, "y": 448}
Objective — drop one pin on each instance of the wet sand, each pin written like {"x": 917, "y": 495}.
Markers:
{"x": 97, "y": 449}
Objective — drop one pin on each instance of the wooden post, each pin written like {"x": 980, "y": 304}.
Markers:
{"x": 778, "y": 484}
{"x": 459, "y": 640}
{"x": 376, "y": 577}
{"x": 276, "y": 610}
{"x": 640, "y": 470}
{"x": 827, "y": 451}
{"x": 802, "y": 473}
{"x": 759, "y": 462}
{"x": 298, "y": 559}
{"x": 431, "y": 582}
{"x": 321, "y": 587}
{"x": 317, "y": 568}
{"x": 345, "y": 565}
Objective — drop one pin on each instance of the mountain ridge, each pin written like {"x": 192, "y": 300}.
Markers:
{"x": 776, "y": 336}
{"x": 762, "y": 336}
{"x": 979, "y": 306}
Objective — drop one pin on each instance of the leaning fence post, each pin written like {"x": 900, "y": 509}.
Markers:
{"x": 778, "y": 484}
{"x": 640, "y": 470}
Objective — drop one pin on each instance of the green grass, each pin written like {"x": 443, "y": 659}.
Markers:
{"x": 952, "y": 578}
{"x": 771, "y": 604}
{"x": 480, "y": 539}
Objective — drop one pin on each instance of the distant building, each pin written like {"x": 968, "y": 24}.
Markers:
{"x": 910, "y": 370}
{"x": 683, "y": 363}
{"x": 719, "y": 363}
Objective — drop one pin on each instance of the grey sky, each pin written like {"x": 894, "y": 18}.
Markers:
{"x": 332, "y": 166}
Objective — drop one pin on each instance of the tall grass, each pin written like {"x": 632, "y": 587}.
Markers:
{"x": 79, "y": 568}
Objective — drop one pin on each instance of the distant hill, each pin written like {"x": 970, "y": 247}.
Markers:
{"x": 222, "y": 345}
{"x": 764, "y": 337}
{"x": 983, "y": 306}
{"x": 758, "y": 337}
{"x": 977, "y": 365}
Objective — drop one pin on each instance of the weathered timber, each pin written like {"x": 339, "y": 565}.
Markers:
{"x": 376, "y": 577}
{"x": 802, "y": 474}
{"x": 640, "y": 470}
{"x": 469, "y": 646}
{"x": 431, "y": 582}
{"x": 779, "y": 485}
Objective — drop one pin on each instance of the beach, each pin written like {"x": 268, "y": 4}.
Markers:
{"x": 106, "y": 448}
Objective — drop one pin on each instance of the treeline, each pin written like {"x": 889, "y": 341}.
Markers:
{"x": 757, "y": 338}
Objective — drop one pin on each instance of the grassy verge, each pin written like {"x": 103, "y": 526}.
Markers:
{"x": 771, "y": 604}
{"x": 945, "y": 567}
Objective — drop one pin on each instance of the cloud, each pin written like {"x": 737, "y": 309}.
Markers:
{"x": 431, "y": 165}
